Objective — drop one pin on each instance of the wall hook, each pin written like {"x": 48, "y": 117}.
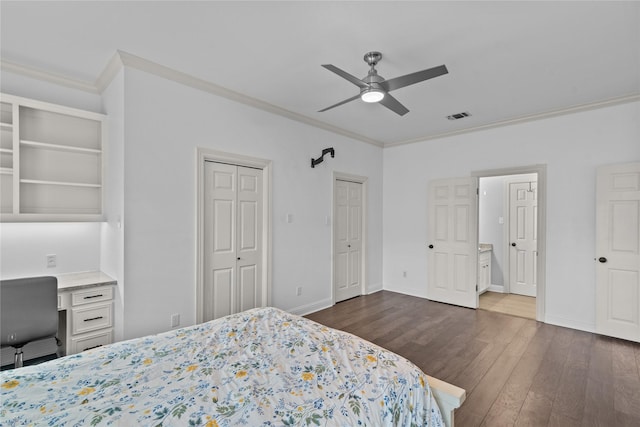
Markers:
{"x": 321, "y": 158}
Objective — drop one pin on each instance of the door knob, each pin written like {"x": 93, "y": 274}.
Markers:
{"x": 348, "y": 246}
{"x": 238, "y": 258}
{"x": 513, "y": 244}
{"x": 430, "y": 246}
{"x": 602, "y": 259}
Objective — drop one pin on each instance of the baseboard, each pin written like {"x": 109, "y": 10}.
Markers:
{"x": 418, "y": 293}
{"x": 372, "y": 289}
{"x": 496, "y": 288}
{"x": 569, "y": 323}
{"x": 310, "y": 308}
{"x": 303, "y": 310}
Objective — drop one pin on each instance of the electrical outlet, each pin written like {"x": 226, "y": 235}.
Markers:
{"x": 175, "y": 320}
{"x": 299, "y": 290}
{"x": 52, "y": 261}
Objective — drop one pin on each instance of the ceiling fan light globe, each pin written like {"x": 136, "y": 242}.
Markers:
{"x": 372, "y": 95}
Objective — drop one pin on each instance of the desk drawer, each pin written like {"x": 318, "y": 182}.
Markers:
{"x": 92, "y": 340}
{"x": 91, "y": 295}
{"x": 91, "y": 318}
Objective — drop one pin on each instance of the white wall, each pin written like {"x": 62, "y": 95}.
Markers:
{"x": 164, "y": 123}
{"x": 19, "y": 85}
{"x": 112, "y": 230}
{"x": 572, "y": 146}
{"x": 24, "y": 247}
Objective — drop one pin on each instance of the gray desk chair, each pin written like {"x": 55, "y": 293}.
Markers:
{"x": 29, "y": 312}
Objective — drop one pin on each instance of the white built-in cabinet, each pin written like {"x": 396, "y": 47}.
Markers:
{"x": 484, "y": 270}
{"x": 51, "y": 162}
{"x": 90, "y": 321}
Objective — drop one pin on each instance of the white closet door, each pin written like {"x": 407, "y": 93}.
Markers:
{"x": 249, "y": 237}
{"x": 452, "y": 253}
{"x": 232, "y": 242}
{"x": 618, "y": 251}
{"x": 347, "y": 240}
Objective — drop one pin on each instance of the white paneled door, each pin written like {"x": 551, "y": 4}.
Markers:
{"x": 347, "y": 265}
{"x": 523, "y": 240}
{"x": 618, "y": 251}
{"x": 452, "y": 253}
{"x": 232, "y": 243}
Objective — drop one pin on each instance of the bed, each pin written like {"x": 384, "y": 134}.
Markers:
{"x": 262, "y": 367}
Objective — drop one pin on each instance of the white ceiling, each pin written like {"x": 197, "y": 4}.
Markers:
{"x": 506, "y": 60}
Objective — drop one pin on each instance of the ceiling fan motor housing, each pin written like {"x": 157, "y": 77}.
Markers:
{"x": 372, "y": 58}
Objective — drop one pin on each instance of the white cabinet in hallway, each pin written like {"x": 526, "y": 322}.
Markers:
{"x": 484, "y": 268}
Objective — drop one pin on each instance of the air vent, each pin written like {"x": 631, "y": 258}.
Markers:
{"x": 459, "y": 116}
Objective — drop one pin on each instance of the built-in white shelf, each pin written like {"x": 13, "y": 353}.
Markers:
{"x": 50, "y": 162}
{"x": 67, "y": 184}
{"x": 49, "y": 146}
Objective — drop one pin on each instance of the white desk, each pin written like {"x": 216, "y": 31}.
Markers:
{"x": 85, "y": 307}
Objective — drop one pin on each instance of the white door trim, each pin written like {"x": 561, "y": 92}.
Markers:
{"x": 203, "y": 155}
{"x": 365, "y": 209}
{"x": 541, "y": 170}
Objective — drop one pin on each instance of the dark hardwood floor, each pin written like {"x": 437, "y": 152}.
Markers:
{"x": 516, "y": 371}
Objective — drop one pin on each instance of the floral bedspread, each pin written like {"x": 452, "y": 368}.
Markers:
{"x": 262, "y": 367}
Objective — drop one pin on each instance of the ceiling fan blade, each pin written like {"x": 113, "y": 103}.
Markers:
{"x": 413, "y": 78}
{"x": 340, "y": 103}
{"x": 394, "y": 105}
{"x": 353, "y": 79}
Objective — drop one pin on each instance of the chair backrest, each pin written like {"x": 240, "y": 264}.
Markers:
{"x": 28, "y": 310}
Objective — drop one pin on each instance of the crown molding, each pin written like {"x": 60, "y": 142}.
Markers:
{"x": 48, "y": 76}
{"x": 114, "y": 66}
{"x": 129, "y": 60}
{"x": 124, "y": 59}
{"x": 527, "y": 118}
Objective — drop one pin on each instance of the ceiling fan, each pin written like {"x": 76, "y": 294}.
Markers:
{"x": 374, "y": 88}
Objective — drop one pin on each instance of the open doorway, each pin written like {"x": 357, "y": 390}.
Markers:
{"x": 509, "y": 254}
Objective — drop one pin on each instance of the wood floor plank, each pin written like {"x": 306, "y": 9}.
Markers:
{"x": 535, "y": 411}
{"x": 626, "y": 379}
{"x": 482, "y": 397}
{"x": 559, "y": 420}
{"x": 507, "y": 406}
{"x": 471, "y": 375}
{"x": 569, "y": 401}
{"x": 542, "y": 375}
{"x": 598, "y": 399}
